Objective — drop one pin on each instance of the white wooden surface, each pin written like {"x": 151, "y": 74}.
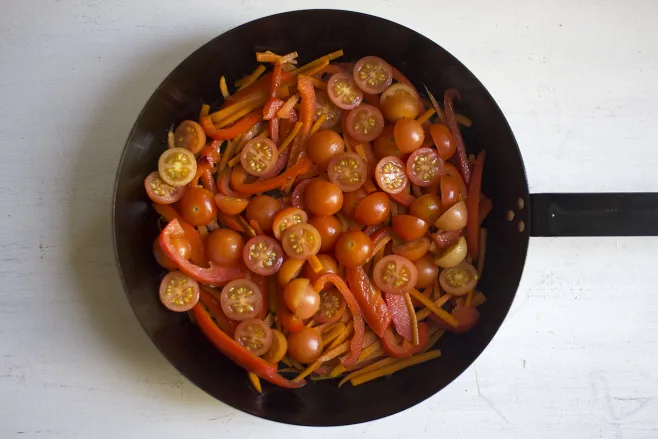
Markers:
{"x": 575, "y": 359}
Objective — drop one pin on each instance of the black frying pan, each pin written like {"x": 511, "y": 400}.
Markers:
{"x": 312, "y": 34}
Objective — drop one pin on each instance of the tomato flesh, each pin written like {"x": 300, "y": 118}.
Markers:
{"x": 324, "y": 105}
{"x": 424, "y": 167}
{"x": 395, "y": 275}
{"x": 459, "y": 280}
{"x": 259, "y": 156}
{"x": 391, "y": 175}
{"x": 241, "y": 299}
{"x": 301, "y": 241}
{"x": 254, "y": 335}
{"x": 190, "y": 135}
{"x": 343, "y": 91}
{"x": 161, "y": 192}
{"x": 372, "y": 74}
{"x": 179, "y": 292}
{"x": 365, "y": 123}
{"x": 348, "y": 171}
{"x": 332, "y": 307}
{"x": 263, "y": 255}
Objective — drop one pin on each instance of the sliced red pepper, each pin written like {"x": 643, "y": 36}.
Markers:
{"x": 211, "y": 152}
{"x": 223, "y": 180}
{"x": 448, "y": 102}
{"x": 370, "y": 300}
{"x": 276, "y": 80}
{"x": 406, "y": 349}
{"x": 356, "y": 345}
{"x": 239, "y": 175}
{"x": 399, "y": 314}
{"x": 239, "y": 354}
{"x": 191, "y": 235}
{"x": 485, "y": 208}
{"x": 233, "y": 131}
{"x": 204, "y": 173}
{"x": 473, "y": 206}
{"x": 214, "y": 275}
{"x": 445, "y": 240}
{"x": 271, "y": 108}
{"x": 306, "y": 113}
{"x": 274, "y": 130}
{"x": 216, "y": 312}
{"x": 403, "y": 198}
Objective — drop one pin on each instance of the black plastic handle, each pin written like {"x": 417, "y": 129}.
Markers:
{"x": 604, "y": 214}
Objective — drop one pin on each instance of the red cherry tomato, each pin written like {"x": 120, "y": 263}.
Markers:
{"x": 323, "y": 198}
{"x": 372, "y": 74}
{"x": 198, "y": 206}
{"x": 411, "y": 250}
{"x": 301, "y": 241}
{"x": 459, "y": 280}
{"x": 391, "y": 175}
{"x": 182, "y": 245}
{"x": 332, "y": 307}
{"x": 354, "y": 248}
{"x": 395, "y": 274}
{"x": 351, "y": 200}
{"x": 373, "y": 209}
{"x": 409, "y": 135}
{"x": 179, "y": 292}
{"x": 426, "y": 207}
{"x": 305, "y": 345}
{"x": 424, "y": 167}
{"x": 323, "y": 146}
{"x": 343, "y": 91}
{"x": 263, "y": 209}
{"x": 329, "y": 228}
{"x": 301, "y": 298}
{"x": 259, "y": 156}
{"x": 348, "y": 171}
{"x": 289, "y": 270}
{"x": 385, "y": 144}
{"x": 230, "y": 205}
{"x": 428, "y": 271}
{"x": 241, "y": 299}
{"x": 324, "y": 105}
{"x": 191, "y": 136}
{"x": 263, "y": 255}
{"x": 444, "y": 141}
{"x": 397, "y": 89}
{"x": 286, "y": 218}
{"x": 225, "y": 247}
{"x": 409, "y": 227}
{"x": 254, "y": 335}
{"x": 177, "y": 166}
{"x": 450, "y": 194}
{"x": 365, "y": 123}
{"x": 161, "y": 192}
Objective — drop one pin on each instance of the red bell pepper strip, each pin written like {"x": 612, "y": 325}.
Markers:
{"x": 356, "y": 345}
{"x": 215, "y": 275}
{"x": 191, "y": 235}
{"x": 271, "y": 108}
{"x": 238, "y": 177}
{"x": 445, "y": 240}
{"x": 370, "y": 300}
{"x": 216, "y": 312}
{"x": 485, "y": 208}
{"x": 406, "y": 349}
{"x": 204, "y": 172}
{"x": 211, "y": 152}
{"x": 306, "y": 113}
{"x": 400, "y": 315}
{"x": 262, "y": 284}
{"x": 448, "y": 102}
{"x": 276, "y": 80}
{"x": 274, "y": 130}
{"x": 403, "y": 198}
{"x": 467, "y": 318}
{"x": 233, "y": 131}
{"x": 473, "y": 206}
{"x": 223, "y": 180}
{"x": 239, "y": 354}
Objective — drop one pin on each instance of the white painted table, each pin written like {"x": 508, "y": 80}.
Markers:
{"x": 576, "y": 358}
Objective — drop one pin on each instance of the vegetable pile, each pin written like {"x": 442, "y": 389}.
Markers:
{"x": 323, "y": 222}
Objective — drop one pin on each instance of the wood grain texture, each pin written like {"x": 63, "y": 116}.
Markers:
{"x": 575, "y": 359}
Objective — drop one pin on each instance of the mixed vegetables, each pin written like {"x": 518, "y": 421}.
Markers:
{"x": 323, "y": 222}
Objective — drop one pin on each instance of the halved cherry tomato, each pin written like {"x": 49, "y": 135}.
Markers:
{"x": 230, "y": 205}
{"x": 409, "y": 135}
{"x": 385, "y": 144}
{"x": 263, "y": 209}
{"x": 259, "y": 156}
{"x": 411, "y": 250}
{"x": 182, "y": 245}
{"x": 161, "y": 192}
{"x": 400, "y": 106}
{"x": 443, "y": 139}
{"x": 343, "y": 91}
{"x": 329, "y": 265}
{"x": 428, "y": 271}
{"x": 263, "y": 255}
{"x": 323, "y": 146}
{"x": 451, "y": 170}
{"x": 278, "y": 349}
{"x": 351, "y": 200}
{"x": 323, "y": 198}
{"x": 391, "y": 175}
{"x": 332, "y": 306}
{"x": 424, "y": 167}
{"x": 454, "y": 218}
{"x": 190, "y": 135}
{"x": 329, "y": 228}
{"x": 348, "y": 171}
{"x": 398, "y": 89}
{"x": 198, "y": 206}
{"x": 301, "y": 298}
{"x": 365, "y": 123}
{"x": 241, "y": 299}
{"x": 426, "y": 207}
{"x": 289, "y": 270}
{"x": 459, "y": 280}
{"x": 177, "y": 166}
{"x": 286, "y": 218}
{"x": 409, "y": 227}
{"x": 301, "y": 241}
{"x": 454, "y": 255}
{"x": 353, "y": 248}
{"x": 324, "y": 105}
{"x": 394, "y": 274}
{"x": 254, "y": 335}
{"x": 373, "y": 209}
{"x": 179, "y": 292}
{"x": 372, "y": 74}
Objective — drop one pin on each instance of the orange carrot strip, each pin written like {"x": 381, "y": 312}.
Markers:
{"x": 250, "y": 79}
{"x": 316, "y": 126}
{"x": 329, "y": 57}
{"x": 329, "y": 355}
{"x": 205, "y": 110}
{"x": 426, "y": 116}
{"x": 290, "y": 137}
{"x": 444, "y": 315}
{"x": 425, "y": 312}
{"x": 223, "y": 88}
{"x": 395, "y": 367}
{"x": 368, "y": 369}
{"x": 414, "y": 323}
{"x": 255, "y": 381}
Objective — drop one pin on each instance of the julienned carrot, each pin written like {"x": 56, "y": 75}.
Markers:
{"x": 372, "y": 351}
{"x": 347, "y": 332}
{"x": 240, "y": 127}
{"x": 396, "y": 366}
{"x": 426, "y": 116}
{"x": 414, "y": 323}
{"x": 223, "y": 88}
{"x": 222, "y": 114}
{"x": 463, "y": 120}
{"x": 239, "y": 175}
{"x": 317, "y": 124}
{"x": 444, "y": 315}
{"x": 434, "y": 338}
{"x": 329, "y": 57}
{"x": 171, "y": 140}
{"x": 248, "y": 80}
{"x": 478, "y": 299}
{"x": 205, "y": 110}
{"x": 290, "y": 137}
{"x": 316, "y": 69}
{"x": 284, "y": 111}
{"x": 425, "y": 312}
{"x": 239, "y": 114}
{"x": 368, "y": 369}
{"x": 255, "y": 381}
{"x": 319, "y": 83}
{"x": 274, "y": 58}
{"x": 332, "y": 335}
{"x": 473, "y": 204}
{"x": 329, "y": 355}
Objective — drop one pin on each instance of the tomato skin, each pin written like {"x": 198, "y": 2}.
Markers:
{"x": 323, "y": 198}
{"x": 394, "y": 274}
{"x": 396, "y": 89}
{"x": 348, "y": 171}
{"x": 365, "y": 123}
{"x": 241, "y": 299}
{"x": 301, "y": 298}
{"x": 225, "y": 247}
{"x": 426, "y": 207}
{"x": 262, "y": 209}
{"x": 230, "y": 205}
{"x": 263, "y": 255}
{"x": 177, "y": 166}
{"x": 459, "y": 280}
{"x": 178, "y": 292}
{"x": 254, "y": 335}
{"x": 324, "y": 105}
{"x": 278, "y": 349}
{"x": 353, "y": 248}
{"x": 323, "y": 146}
{"x": 385, "y": 145}
{"x": 343, "y": 91}
{"x": 329, "y": 228}
{"x": 351, "y": 200}
{"x": 160, "y": 192}
{"x": 444, "y": 140}
{"x": 391, "y": 175}
{"x": 450, "y": 194}
{"x": 411, "y": 250}
{"x": 428, "y": 271}
{"x": 454, "y": 218}
{"x": 305, "y": 345}
{"x": 401, "y": 106}
{"x": 373, "y": 209}
{"x": 372, "y": 74}
{"x": 290, "y": 269}
{"x": 409, "y": 135}
{"x": 184, "y": 249}
{"x": 301, "y": 241}
{"x": 190, "y": 135}
{"x": 198, "y": 206}
{"x": 424, "y": 167}
{"x": 409, "y": 227}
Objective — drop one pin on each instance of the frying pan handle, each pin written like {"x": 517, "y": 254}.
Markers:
{"x": 603, "y": 214}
